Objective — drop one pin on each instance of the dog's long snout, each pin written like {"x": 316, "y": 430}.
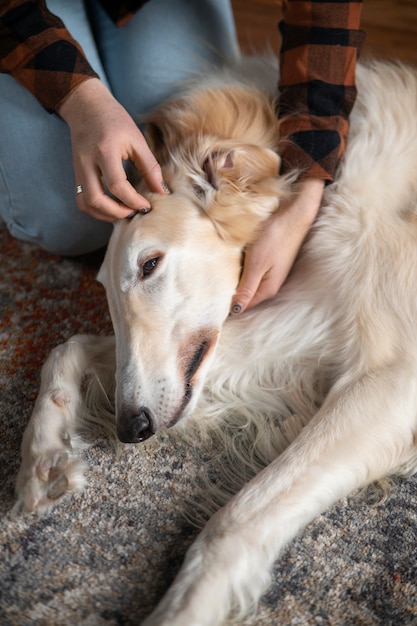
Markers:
{"x": 135, "y": 426}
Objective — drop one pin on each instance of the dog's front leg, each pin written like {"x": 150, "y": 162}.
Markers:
{"x": 364, "y": 430}
{"x": 49, "y": 468}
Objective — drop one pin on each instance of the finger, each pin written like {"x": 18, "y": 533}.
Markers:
{"x": 124, "y": 191}
{"x": 246, "y": 289}
{"x": 104, "y": 208}
{"x": 268, "y": 288}
{"x": 154, "y": 179}
{"x": 116, "y": 181}
{"x": 95, "y": 202}
{"x": 150, "y": 169}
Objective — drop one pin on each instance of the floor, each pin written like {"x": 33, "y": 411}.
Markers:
{"x": 391, "y": 27}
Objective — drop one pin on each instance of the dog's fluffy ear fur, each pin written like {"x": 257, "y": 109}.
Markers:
{"x": 248, "y": 165}
{"x": 222, "y": 114}
{"x": 247, "y": 190}
{"x": 206, "y": 128}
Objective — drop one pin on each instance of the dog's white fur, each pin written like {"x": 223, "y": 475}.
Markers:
{"x": 328, "y": 367}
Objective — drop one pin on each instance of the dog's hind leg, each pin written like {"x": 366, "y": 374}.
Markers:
{"x": 363, "y": 431}
{"x": 49, "y": 468}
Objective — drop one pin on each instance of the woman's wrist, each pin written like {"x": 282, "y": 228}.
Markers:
{"x": 86, "y": 93}
{"x": 306, "y": 198}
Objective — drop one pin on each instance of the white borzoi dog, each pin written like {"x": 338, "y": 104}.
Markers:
{"x": 322, "y": 379}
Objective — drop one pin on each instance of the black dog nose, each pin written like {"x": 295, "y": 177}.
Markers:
{"x": 135, "y": 426}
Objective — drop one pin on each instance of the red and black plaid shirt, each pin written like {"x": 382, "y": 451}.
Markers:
{"x": 320, "y": 44}
{"x": 317, "y": 83}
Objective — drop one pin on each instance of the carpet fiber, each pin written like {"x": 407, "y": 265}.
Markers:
{"x": 105, "y": 556}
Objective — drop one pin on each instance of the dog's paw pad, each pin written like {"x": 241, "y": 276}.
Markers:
{"x": 57, "y": 488}
{"x": 51, "y": 466}
{"x": 49, "y": 479}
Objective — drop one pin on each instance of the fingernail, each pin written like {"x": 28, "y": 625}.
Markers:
{"x": 165, "y": 187}
{"x": 142, "y": 211}
{"x": 236, "y": 308}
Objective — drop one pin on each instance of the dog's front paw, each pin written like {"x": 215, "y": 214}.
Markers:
{"x": 46, "y": 479}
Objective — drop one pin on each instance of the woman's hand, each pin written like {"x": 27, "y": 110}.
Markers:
{"x": 103, "y": 135}
{"x": 270, "y": 258}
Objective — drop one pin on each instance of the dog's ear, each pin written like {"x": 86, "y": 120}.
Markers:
{"x": 246, "y": 166}
{"x": 168, "y": 126}
{"x": 248, "y": 189}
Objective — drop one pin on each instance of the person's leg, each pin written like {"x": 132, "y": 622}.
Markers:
{"x": 166, "y": 43}
{"x": 36, "y": 176}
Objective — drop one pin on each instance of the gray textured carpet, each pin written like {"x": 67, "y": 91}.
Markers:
{"x": 106, "y": 556}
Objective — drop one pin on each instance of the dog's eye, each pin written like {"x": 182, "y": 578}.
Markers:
{"x": 149, "y": 266}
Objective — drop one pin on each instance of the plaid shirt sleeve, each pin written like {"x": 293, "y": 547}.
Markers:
{"x": 39, "y": 52}
{"x": 320, "y": 44}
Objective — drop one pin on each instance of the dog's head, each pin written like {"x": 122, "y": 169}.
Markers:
{"x": 170, "y": 276}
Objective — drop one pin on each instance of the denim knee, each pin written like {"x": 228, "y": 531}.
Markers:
{"x": 61, "y": 235}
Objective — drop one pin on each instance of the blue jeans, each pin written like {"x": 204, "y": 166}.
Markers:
{"x": 143, "y": 62}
